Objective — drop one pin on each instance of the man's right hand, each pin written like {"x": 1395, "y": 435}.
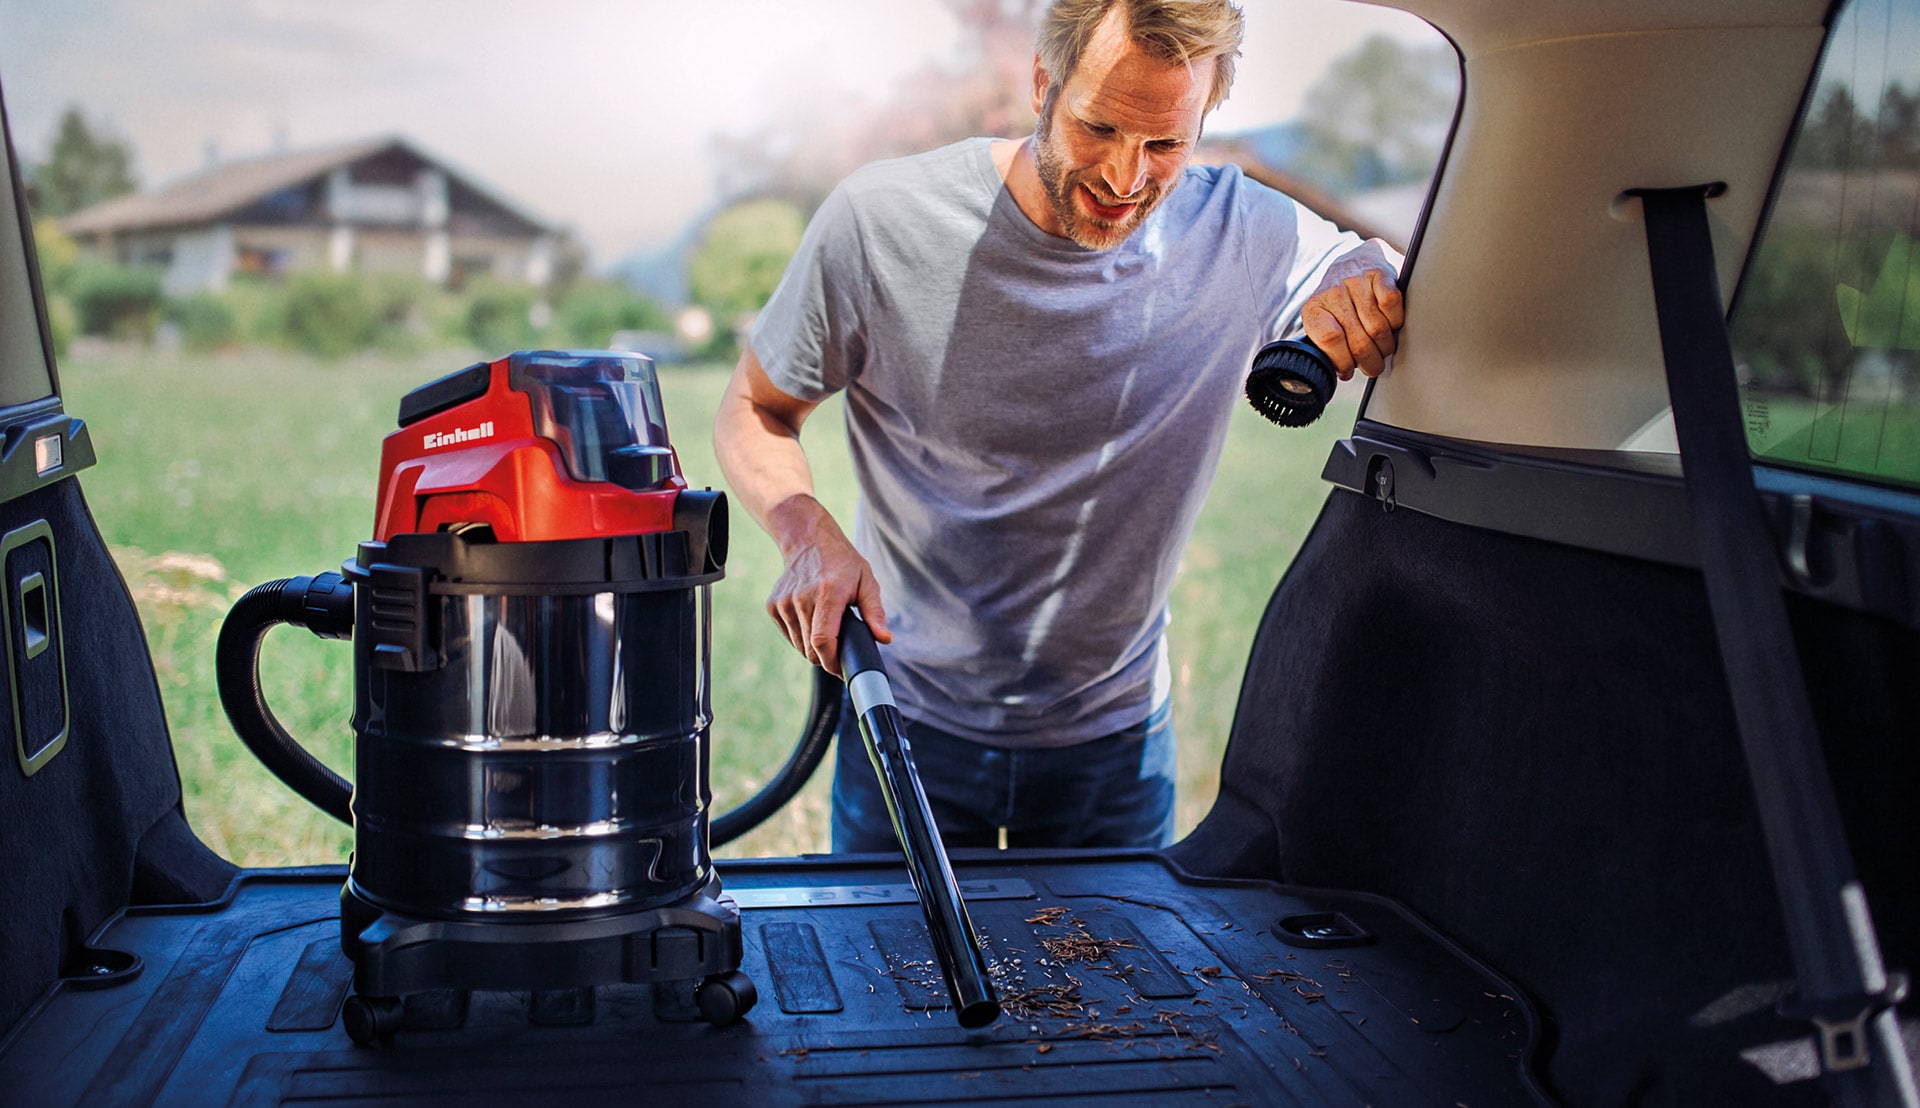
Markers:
{"x": 823, "y": 575}
{"x": 1356, "y": 322}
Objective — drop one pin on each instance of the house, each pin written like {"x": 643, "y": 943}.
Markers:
{"x": 375, "y": 206}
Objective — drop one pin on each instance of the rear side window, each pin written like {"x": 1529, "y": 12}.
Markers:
{"x": 1827, "y": 327}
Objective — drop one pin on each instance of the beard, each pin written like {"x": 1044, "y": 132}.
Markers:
{"x": 1084, "y": 227}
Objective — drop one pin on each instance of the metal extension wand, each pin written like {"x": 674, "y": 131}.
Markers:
{"x": 884, "y": 733}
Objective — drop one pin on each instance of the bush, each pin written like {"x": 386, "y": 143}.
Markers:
{"x": 62, "y": 321}
{"x": 741, "y": 257}
{"x": 590, "y": 314}
{"x": 206, "y": 322}
{"x": 410, "y": 312}
{"x": 328, "y": 314}
{"x": 259, "y": 309}
{"x": 332, "y": 315}
{"x": 56, "y": 252}
{"x": 115, "y": 300}
{"x": 499, "y": 318}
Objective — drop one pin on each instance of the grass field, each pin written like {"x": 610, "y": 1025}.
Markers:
{"x": 220, "y": 472}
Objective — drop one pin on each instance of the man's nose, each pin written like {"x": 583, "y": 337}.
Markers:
{"x": 1126, "y": 172}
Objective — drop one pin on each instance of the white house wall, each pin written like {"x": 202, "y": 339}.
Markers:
{"x": 391, "y": 251}
{"x": 300, "y": 249}
{"x": 340, "y": 249}
{"x": 438, "y": 263}
{"x": 421, "y": 203}
{"x": 515, "y": 260}
{"x": 428, "y": 246}
{"x": 202, "y": 261}
{"x": 431, "y": 187}
{"x": 205, "y": 260}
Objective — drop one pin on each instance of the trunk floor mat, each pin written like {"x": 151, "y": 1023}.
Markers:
{"x": 1120, "y": 978}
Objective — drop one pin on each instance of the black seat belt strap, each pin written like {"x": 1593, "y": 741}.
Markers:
{"x": 1843, "y": 987}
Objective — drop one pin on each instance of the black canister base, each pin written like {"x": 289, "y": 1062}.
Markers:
{"x": 693, "y": 945}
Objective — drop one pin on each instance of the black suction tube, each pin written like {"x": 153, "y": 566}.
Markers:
{"x": 323, "y": 605}
{"x": 823, "y": 716}
{"x": 954, "y": 941}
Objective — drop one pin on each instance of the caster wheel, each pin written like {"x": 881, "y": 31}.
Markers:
{"x": 371, "y": 1017}
{"x": 725, "y": 997}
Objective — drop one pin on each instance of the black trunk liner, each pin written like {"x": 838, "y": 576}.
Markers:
{"x": 1190, "y": 997}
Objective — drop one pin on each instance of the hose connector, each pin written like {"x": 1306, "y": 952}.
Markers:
{"x": 323, "y": 604}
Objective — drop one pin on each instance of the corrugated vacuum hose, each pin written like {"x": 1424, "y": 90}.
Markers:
{"x": 322, "y": 604}
{"x": 816, "y": 738}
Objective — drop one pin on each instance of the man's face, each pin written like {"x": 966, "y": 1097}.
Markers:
{"x": 1115, "y": 138}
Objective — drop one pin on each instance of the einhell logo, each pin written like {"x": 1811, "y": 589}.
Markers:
{"x": 454, "y": 438}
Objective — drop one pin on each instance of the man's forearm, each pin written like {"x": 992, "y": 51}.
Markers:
{"x": 759, "y": 451}
{"x": 756, "y": 438}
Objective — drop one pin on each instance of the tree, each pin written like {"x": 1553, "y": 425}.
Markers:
{"x": 86, "y": 166}
{"x": 1899, "y": 128}
{"x": 1835, "y": 135}
{"x": 1839, "y": 134}
{"x": 1379, "y": 115}
{"x": 741, "y": 256}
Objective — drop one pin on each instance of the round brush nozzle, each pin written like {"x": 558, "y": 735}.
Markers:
{"x": 1290, "y": 382}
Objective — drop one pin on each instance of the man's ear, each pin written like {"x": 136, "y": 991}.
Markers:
{"x": 1039, "y": 84}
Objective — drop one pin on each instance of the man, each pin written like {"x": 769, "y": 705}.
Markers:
{"x": 1041, "y": 342}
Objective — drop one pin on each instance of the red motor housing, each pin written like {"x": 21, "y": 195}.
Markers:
{"x": 538, "y": 445}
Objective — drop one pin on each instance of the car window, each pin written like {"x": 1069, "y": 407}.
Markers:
{"x": 1827, "y": 323}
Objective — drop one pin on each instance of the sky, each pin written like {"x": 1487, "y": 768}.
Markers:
{"x": 591, "y": 114}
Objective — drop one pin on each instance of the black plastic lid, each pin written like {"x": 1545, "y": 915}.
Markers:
{"x": 446, "y": 392}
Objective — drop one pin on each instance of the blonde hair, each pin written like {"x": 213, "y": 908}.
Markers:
{"x": 1178, "y": 31}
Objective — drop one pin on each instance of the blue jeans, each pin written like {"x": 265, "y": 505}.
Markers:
{"x": 1114, "y": 791}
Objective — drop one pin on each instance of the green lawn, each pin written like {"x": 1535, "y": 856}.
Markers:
{"x": 219, "y": 472}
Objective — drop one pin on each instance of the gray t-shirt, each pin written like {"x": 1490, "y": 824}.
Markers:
{"x": 1034, "y": 425}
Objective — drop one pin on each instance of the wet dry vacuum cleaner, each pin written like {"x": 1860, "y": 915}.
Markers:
{"x": 531, "y": 629}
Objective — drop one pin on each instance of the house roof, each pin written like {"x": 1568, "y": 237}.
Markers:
{"x": 216, "y": 193}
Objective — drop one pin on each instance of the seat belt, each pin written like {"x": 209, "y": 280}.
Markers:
{"x": 1843, "y": 987}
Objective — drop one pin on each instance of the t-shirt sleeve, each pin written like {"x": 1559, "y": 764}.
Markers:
{"x": 1294, "y": 254}
{"x": 811, "y": 336}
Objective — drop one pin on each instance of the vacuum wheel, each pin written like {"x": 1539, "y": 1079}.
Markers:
{"x": 725, "y": 997}
{"x": 369, "y": 1018}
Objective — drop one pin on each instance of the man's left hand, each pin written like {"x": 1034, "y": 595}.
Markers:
{"x": 1354, "y": 322}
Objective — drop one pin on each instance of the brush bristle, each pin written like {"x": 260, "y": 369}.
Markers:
{"x": 1290, "y": 383}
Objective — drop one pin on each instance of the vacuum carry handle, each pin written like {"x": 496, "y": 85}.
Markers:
{"x": 882, "y": 729}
